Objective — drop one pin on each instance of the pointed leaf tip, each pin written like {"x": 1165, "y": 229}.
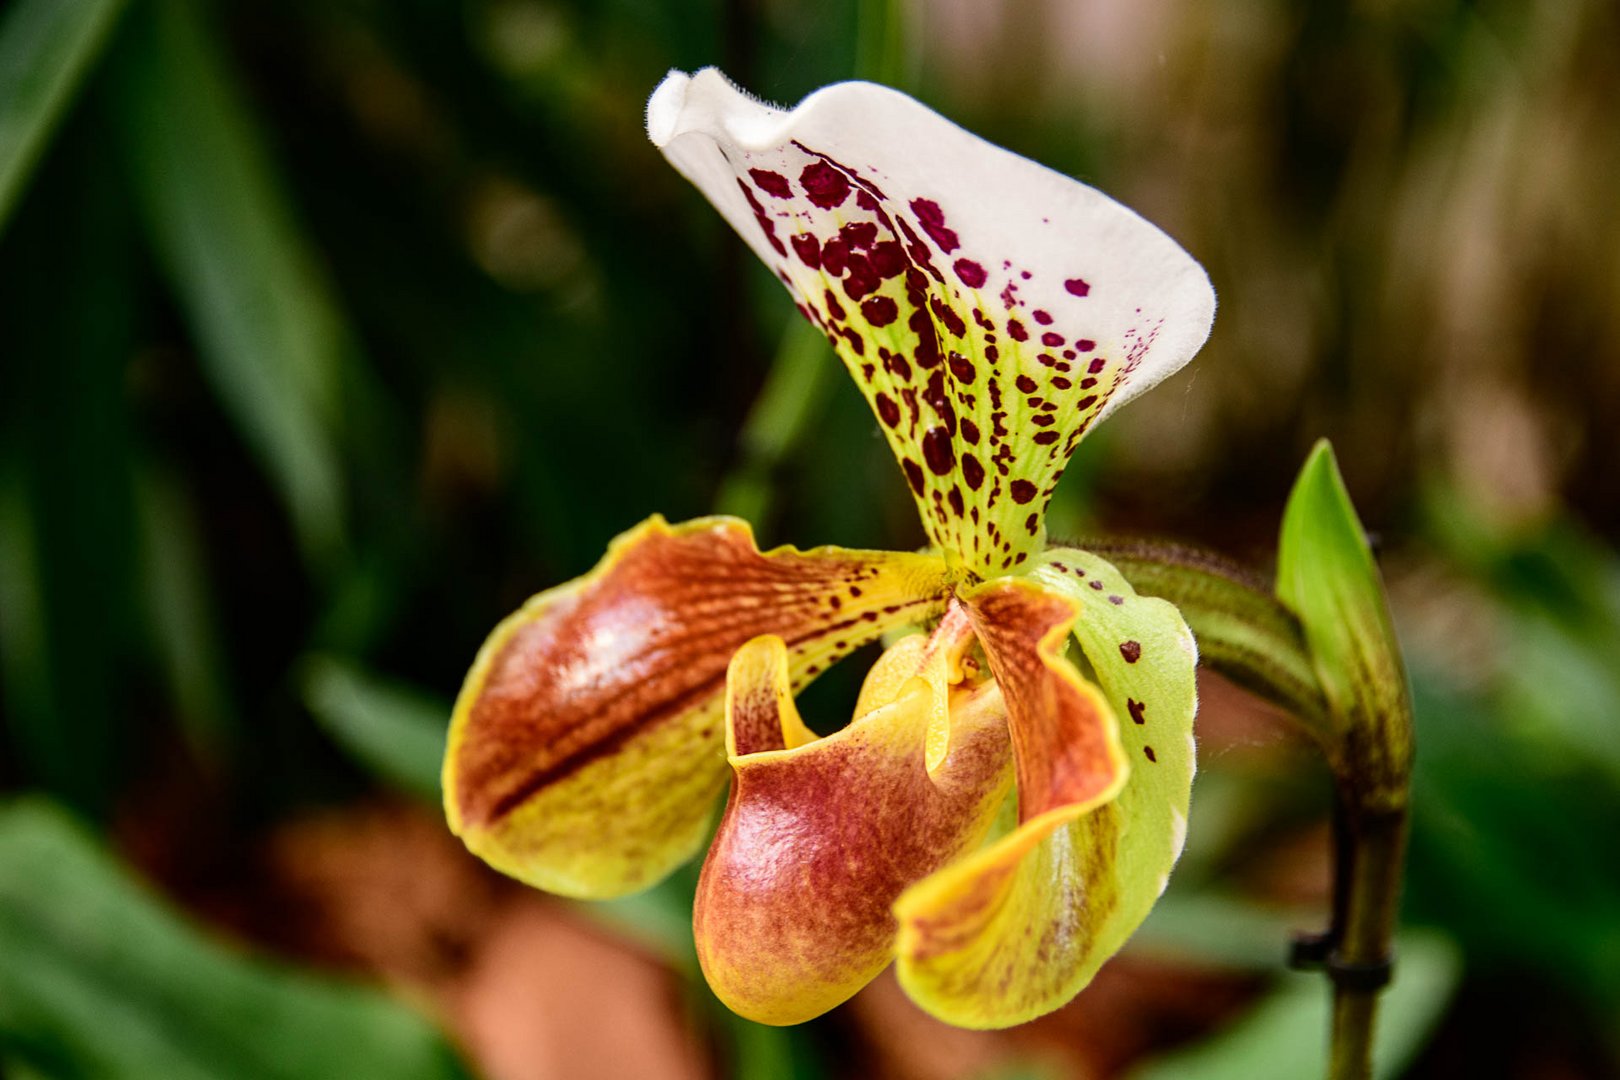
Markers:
{"x": 1327, "y": 576}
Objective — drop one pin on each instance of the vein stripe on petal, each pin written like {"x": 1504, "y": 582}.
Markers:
{"x": 562, "y": 710}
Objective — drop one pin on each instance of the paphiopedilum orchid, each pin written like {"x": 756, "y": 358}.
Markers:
{"x": 991, "y": 311}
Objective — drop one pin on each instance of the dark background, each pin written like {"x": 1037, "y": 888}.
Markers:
{"x": 331, "y": 331}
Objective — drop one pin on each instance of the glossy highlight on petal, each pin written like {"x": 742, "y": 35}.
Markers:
{"x": 793, "y": 908}
{"x": 1020, "y": 927}
{"x": 990, "y": 309}
{"x": 586, "y": 749}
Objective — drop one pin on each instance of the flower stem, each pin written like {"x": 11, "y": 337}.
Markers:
{"x": 1368, "y": 884}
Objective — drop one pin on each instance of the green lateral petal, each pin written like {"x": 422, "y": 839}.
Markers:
{"x": 585, "y": 751}
{"x": 793, "y": 910}
{"x": 990, "y": 309}
{"x": 1022, "y": 926}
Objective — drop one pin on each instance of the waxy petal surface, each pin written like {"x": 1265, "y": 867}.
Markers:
{"x": 793, "y": 911}
{"x": 586, "y": 749}
{"x": 990, "y": 309}
{"x": 1063, "y": 730}
{"x": 1020, "y": 927}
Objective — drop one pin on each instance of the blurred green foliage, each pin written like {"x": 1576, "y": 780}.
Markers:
{"x": 100, "y": 980}
{"x": 329, "y": 332}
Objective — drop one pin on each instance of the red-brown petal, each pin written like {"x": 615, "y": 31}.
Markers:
{"x": 585, "y": 750}
{"x": 793, "y": 911}
{"x": 1065, "y": 737}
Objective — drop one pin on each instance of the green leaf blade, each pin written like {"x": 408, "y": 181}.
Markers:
{"x": 271, "y": 340}
{"x": 47, "y": 47}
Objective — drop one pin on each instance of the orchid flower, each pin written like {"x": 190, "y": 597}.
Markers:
{"x": 1003, "y": 810}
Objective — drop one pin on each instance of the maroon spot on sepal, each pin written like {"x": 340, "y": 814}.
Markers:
{"x": 962, "y": 368}
{"x": 1042, "y": 317}
{"x": 809, "y": 252}
{"x": 888, "y": 259}
{"x": 972, "y": 471}
{"x": 970, "y": 433}
{"x": 919, "y": 253}
{"x": 1131, "y": 651}
{"x": 887, "y": 410}
{"x": 953, "y": 322}
{"x": 927, "y": 351}
{"x": 1147, "y": 752}
{"x": 862, "y": 278}
{"x": 879, "y": 310}
{"x": 1022, "y": 491}
{"x": 858, "y": 234}
{"x": 938, "y": 400}
{"x": 772, "y": 183}
{"x": 914, "y": 475}
{"x": 1085, "y": 344}
{"x": 834, "y": 308}
{"x": 1016, "y": 331}
{"x": 971, "y": 273}
{"x": 766, "y": 225}
{"x": 1051, "y": 338}
{"x": 835, "y": 256}
{"x": 826, "y": 186}
{"x": 932, "y": 220}
{"x": 1077, "y": 287}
